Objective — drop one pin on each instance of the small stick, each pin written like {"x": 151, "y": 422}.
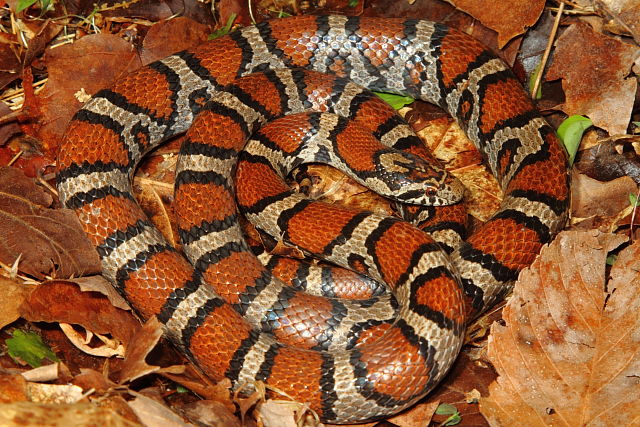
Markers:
{"x": 545, "y": 56}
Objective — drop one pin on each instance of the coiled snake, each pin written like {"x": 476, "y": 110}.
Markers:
{"x": 229, "y": 325}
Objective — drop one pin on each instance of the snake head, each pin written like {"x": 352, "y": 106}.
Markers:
{"x": 413, "y": 180}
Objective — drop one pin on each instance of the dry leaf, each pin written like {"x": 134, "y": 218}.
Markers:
{"x": 54, "y": 415}
{"x": 594, "y": 69}
{"x": 43, "y": 373}
{"x": 101, "y": 285}
{"x": 13, "y": 388}
{"x": 508, "y": 18}
{"x": 13, "y": 294}
{"x": 419, "y": 415}
{"x": 570, "y": 351}
{"x": 170, "y": 36}
{"x": 54, "y": 393}
{"x": 102, "y": 58}
{"x": 155, "y": 414}
{"x": 278, "y": 413}
{"x": 141, "y": 344}
{"x": 64, "y": 302}
{"x": 601, "y": 201}
{"x": 625, "y": 16}
{"x": 48, "y": 241}
{"x": 210, "y": 413}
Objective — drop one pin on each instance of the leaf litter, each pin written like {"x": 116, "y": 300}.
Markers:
{"x": 110, "y": 383}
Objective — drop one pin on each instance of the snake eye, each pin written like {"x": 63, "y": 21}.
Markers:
{"x": 431, "y": 192}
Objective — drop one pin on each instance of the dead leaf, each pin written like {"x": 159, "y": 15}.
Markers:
{"x": 77, "y": 415}
{"x": 102, "y": 57}
{"x": 48, "y": 241}
{"x": 155, "y": 199}
{"x": 278, "y": 413}
{"x": 13, "y": 388}
{"x": 90, "y": 379}
{"x": 101, "y": 285}
{"x": 624, "y": 16}
{"x": 155, "y": 414}
{"x": 43, "y": 373}
{"x": 594, "y": 69}
{"x": 141, "y": 344}
{"x": 210, "y": 413}
{"x": 170, "y": 36}
{"x": 508, "y": 18}
{"x": 202, "y": 386}
{"x": 600, "y": 200}
{"x": 466, "y": 377}
{"x": 13, "y": 294}
{"x": 569, "y": 353}
{"x": 417, "y": 416}
{"x": 64, "y": 302}
{"x": 54, "y": 393}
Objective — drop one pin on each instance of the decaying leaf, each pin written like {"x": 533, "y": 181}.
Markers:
{"x": 13, "y": 388}
{"x": 508, "y": 18}
{"x": 604, "y": 92}
{"x": 102, "y": 57}
{"x": 13, "y": 294}
{"x": 64, "y": 302}
{"x": 141, "y": 344}
{"x": 54, "y": 393}
{"x": 77, "y": 414}
{"x": 154, "y": 413}
{"x": 570, "y": 351}
{"x": 210, "y": 413}
{"x": 47, "y": 241}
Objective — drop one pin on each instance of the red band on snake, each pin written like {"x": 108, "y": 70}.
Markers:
{"x": 386, "y": 366}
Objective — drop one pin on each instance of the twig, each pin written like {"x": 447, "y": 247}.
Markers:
{"x": 545, "y": 57}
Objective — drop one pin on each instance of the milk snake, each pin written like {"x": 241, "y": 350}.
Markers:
{"x": 393, "y": 365}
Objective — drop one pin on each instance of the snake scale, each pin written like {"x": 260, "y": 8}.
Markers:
{"x": 226, "y": 311}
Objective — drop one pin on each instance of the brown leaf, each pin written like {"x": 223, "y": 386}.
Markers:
{"x": 89, "y": 379}
{"x": 570, "y": 352}
{"x": 466, "y": 377}
{"x": 210, "y": 413}
{"x": 13, "y": 388}
{"x": 48, "y": 241}
{"x": 170, "y": 36}
{"x": 64, "y": 302}
{"x": 101, "y": 285}
{"x": 418, "y": 416}
{"x": 594, "y": 69}
{"x": 202, "y": 386}
{"x": 77, "y": 414}
{"x": 602, "y": 201}
{"x": 141, "y": 344}
{"x": 508, "y": 18}
{"x": 154, "y": 413}
{"x": 624, "y": 16}
{"x": 102, "y": 58}
{"x": 13, "y": 294}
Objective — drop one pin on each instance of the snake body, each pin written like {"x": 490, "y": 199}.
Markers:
{"x": 226, "y": 313}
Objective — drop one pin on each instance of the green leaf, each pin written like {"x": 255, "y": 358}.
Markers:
{"x": 611, "y": 259}
{"x": 182, "y": 389}
{"x": 396, "y": 101}
{"x": 446, "y": 409}
{"x": 224, "y": 30}
{"x": 532, "y": 82}
{"x": 570, "y": 132}
{"x": 23, "y": 4}
{"x": 28, "y": 347}
{"x": 633, "y": 199}
{"x": 452, "y": 411}
{"x": 353, "y": 3}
